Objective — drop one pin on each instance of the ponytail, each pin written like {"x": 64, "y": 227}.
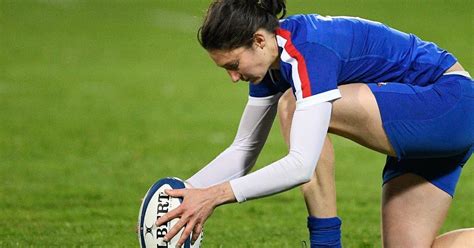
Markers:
{"x": 230, "y": 24}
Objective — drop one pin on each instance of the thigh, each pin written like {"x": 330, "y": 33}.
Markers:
{"x": 408, "y": 121}
{"x": 416, "y": 196}
{"x": 356, "y": 116}
{"x": 413, "y": 211}
{"x": 429, "y": 121}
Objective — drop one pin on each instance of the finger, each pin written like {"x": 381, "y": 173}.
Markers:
{"x": 187, "y": 231}
{"x": 175, "y": 192}
{"x": 175, "y": 213}
{"x": 196, "y": 232}
{"x": 176, "y": 228}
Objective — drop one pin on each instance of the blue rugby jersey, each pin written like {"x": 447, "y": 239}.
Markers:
{"x": 318, "y": 53}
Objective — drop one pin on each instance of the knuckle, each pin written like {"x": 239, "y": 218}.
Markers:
{"x": 188, "y": 216}
{"x": 178, "y": 225}
{"x": 183, "y": 219}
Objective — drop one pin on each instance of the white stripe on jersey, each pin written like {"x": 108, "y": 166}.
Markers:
{"x": 327, "y": 96}
{"x": 285, "y": 57}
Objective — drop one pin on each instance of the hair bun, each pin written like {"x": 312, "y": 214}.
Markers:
{"x": 273, "y": 7}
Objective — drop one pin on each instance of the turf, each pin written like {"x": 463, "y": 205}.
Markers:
{"x": 98, "y": 99}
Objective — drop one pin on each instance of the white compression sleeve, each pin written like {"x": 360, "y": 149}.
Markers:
{"x": 308, "y": 130}
{"x": 241, "y": 155}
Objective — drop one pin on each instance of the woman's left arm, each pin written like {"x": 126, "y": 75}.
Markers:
{"x": 309, "y": 128}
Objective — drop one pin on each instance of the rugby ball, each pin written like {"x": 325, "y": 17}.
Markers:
{"x": 155, "y": 204}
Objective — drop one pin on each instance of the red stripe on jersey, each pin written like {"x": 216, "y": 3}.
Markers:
{"x": 293, "y": 52}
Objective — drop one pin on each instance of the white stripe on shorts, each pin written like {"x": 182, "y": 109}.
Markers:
{"x": 462, "y": 73}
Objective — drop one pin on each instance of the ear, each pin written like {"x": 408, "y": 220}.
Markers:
{"x": 260, "y": 39}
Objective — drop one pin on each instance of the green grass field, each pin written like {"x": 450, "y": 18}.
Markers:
{"x": 98, "y": 99}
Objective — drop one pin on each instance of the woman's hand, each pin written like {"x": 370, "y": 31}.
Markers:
{"x": 197, "y": 206}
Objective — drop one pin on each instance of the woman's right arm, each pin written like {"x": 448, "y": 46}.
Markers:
{"x": 239, "y": 158}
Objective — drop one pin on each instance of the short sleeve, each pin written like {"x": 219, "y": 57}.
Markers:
{"x": 310, "y": 67}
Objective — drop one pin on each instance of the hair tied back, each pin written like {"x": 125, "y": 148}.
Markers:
{"x": 274, "y": 7}
{"x": 230, "y": 24}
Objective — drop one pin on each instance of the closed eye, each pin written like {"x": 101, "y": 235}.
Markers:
{"x": 233, "y": 66}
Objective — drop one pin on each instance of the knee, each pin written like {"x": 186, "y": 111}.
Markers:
{"x": 458, "y": 238}
{"x": 409, "y": 243}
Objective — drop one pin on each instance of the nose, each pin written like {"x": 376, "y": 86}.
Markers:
{"x": 234, "y": 76}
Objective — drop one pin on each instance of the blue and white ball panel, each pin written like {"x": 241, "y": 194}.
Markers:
{"x": 157, "y": 203}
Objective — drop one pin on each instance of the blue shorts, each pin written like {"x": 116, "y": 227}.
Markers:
{"x": 431, "y": 128}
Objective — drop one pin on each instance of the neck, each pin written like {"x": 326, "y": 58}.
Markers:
{"x": 276, "y": 55}
{"x": 276, "y": 64}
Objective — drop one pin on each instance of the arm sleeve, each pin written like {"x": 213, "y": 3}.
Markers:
{"x": 308, "y": 130}
{"x": 239, "y": 158}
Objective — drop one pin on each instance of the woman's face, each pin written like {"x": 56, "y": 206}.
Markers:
{"x": 249, "y": 64}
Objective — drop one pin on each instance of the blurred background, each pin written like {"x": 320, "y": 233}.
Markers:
{"x": 99, "y": 99}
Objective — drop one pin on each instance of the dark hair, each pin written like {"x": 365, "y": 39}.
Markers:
{"x": 231, "y": 24}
